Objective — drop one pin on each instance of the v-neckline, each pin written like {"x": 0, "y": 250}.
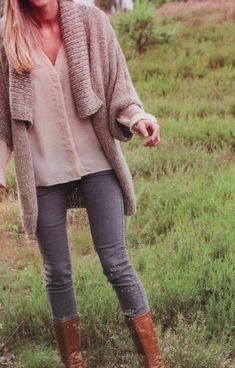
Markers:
{"x": 57, "y": 56}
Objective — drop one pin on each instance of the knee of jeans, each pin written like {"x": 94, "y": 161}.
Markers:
{"x": 116, "y": 271}
{"x": 58, "y": 276}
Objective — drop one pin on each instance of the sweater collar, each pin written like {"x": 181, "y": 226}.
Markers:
{"x": 76, "y": 47}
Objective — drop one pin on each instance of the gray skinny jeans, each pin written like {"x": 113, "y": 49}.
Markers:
{"x": 104, "y": 205}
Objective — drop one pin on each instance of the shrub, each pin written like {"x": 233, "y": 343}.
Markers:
{"x": 138, "y": 28}
{"x": 105, "y": 5}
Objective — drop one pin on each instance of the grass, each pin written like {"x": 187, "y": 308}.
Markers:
{"x": 182, "y": 239}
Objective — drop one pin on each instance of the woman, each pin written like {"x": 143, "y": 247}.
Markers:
{"x": 67, "y": 99}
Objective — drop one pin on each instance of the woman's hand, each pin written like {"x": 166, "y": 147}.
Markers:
{"x": 149, "y": 130}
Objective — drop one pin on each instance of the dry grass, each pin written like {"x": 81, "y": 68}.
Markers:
{"x": 16, "y": 247}
{"x": 187, "y": 8}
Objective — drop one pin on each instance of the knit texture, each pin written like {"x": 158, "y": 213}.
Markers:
{"x": 101, "y": 86}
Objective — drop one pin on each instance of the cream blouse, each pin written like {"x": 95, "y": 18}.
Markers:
{"x": 64, "y": 147}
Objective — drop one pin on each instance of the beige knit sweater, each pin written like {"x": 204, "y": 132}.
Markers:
{"x": 101, "y": 86}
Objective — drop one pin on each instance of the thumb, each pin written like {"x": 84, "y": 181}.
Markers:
{"x": 143, "y": 130}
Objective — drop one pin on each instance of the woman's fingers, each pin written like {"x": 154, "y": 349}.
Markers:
{"x": 149, "y": 130}
{"x": 149, "y": 142}
{"x": 140, "y": 128}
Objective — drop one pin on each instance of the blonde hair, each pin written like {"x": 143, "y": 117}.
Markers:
{"x": 20, "y": 36}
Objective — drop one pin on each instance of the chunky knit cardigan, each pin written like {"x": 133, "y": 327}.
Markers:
{"x": 101, "y": 86}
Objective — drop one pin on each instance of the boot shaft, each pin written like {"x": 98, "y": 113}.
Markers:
{"x": 145, "y": 339}
{"x": 67, "y": 334}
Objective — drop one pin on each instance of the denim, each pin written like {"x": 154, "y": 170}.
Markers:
{"x": 104, "y": 205}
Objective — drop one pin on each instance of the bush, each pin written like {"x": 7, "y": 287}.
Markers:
{"x": 138, "y": 28}
{"x": 105, "y": 5}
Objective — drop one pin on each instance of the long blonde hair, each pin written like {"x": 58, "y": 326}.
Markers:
{"x": 20, "y": 36}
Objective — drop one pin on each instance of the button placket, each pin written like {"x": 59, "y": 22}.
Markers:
{"x": 66, "y": 135}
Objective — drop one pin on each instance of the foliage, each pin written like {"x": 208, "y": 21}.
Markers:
{"x": 105, "y": 5}
{"x": 139, "y": 28}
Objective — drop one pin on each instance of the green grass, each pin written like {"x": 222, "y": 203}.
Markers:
{"x": 38, "y": 357}
{"x": 181, "y": 240}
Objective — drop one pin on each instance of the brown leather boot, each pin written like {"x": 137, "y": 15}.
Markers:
{"x": 68, "y": 338}
{"x": 145, "y": 339}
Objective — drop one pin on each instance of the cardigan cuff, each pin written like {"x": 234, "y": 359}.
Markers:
{"x": 128, "y": 119}
{"x": 141, "y": 116}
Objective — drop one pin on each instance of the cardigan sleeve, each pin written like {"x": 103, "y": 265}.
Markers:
{"x": 5, "y": 114}
{"x": 132, "y": 115}
{"x": 120, "y": 92}
{"x": 6, "y": 143}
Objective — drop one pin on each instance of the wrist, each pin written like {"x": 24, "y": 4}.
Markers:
{"x": 142, "y": 116}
